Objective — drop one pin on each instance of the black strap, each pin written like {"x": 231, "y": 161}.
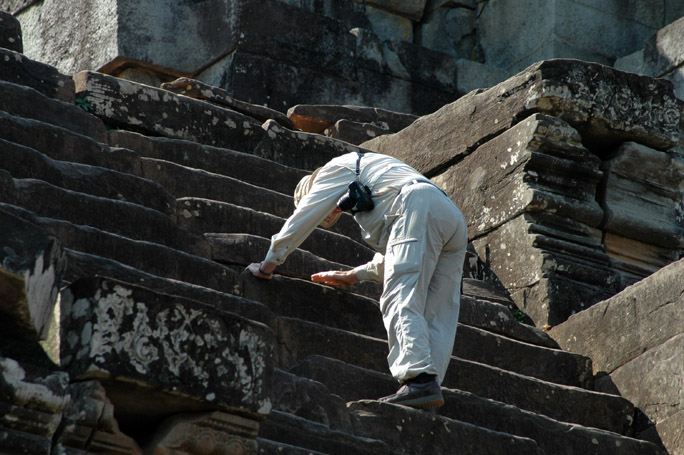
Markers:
{"x": 358, "y": 165}
{"x": 414, "y": 181}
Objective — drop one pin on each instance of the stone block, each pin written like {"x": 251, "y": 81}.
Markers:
{"x": 663, "y": 51}
{"x": 315, "y": 118}
{"x": 32, "y": 264}
{"x": 31, "y": 406}
{"x": 246, "y": 167}
{"x": 448, "y": 27}
{"x": 160, "y": 112}
{"x": 671, "y": 433}
{"x": 20, "y": 101}
{"x": 353, "y": 132}
{"x": 159, "y": 355}
{"x": 606, "y": 106}
{"x": 538, "y": 165}
{"x": 415, "y": 433}
{"x": 635, "y": 260}
{"x": 21, "y": 70}
{"x": 10, "y": 32}
{"x": 199, "y": 90}
{"x": 205, "y": 433}
{"x": 89, "y": 424}
{"x": 636, "y": 320}
{"x": 643, "y": 197}
{"x": 472, "y": 75}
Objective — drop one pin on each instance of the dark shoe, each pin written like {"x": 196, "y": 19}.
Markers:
{"x": 423, "y": 396}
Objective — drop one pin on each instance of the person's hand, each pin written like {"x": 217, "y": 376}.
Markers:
{"x": 256, "y": 269}
{"x": 335, "y": 277}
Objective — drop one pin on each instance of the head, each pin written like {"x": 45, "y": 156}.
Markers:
{"x": 303, "y": 188}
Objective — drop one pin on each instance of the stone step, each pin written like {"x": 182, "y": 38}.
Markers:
{"x": 553, "y": 436}
{"x": 26, "y": 163}
{"x": 244, "y": 166}
{"x": 303, "y": 344}
{"x": 110, "y": 215}
{"x": 21, "y": 101}
{"x": 202, "y": 216}
{"x": 21, "y": 70}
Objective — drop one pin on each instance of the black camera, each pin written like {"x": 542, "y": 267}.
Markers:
{"x": 357, "y": 199}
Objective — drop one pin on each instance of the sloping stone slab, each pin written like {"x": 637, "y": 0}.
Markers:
{"x": 31, "y": 406}
{"x": 290, "y": 429}
{"x": 353, "y": 132}
{"x": 638, "y": 319}
{"x": 32, "y": 264}
{"x": 18, "y": 69}
{"x": 538, "y": 165}
{"x": 107, "y": 214}
{"x": 10, "y": 33}
{"x": 160, "y": 112}
{"x": 246, "y": 167}
{"x": 182, "y": 182}
{"x": 60, "y": 142}
{"x": 301, "y": 150}
{"x": 605, "y": 105}
{"x": 27, "y": 163}
{"x": 197, "y": 89}
{"x": 315, "y": 118}
{"x": 411, "y": 431}
{"x": 268, "y": 447}
{"x": 189, "y": 355}
{"x": 643, "y": 197}
{"x": 21, "y": 101}
{"x": 671, "y": 433}
{"x": 205, "y": 216}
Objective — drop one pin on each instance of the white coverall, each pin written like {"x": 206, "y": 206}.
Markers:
{"x": 421, "y": 237}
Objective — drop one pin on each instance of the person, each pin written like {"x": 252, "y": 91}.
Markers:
{"x": 420, "y": 236}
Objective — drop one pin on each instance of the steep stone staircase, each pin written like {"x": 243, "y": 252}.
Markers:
{"x": 140, "y": 188}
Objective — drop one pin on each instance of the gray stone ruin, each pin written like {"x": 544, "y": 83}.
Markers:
{"x": 150, "y": 150}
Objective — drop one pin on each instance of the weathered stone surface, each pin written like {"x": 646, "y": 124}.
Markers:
{"x": 160, "y": 112}
{"x": 671, "y": 433}
{"x": 309, "y": 400}
{"x": 89, "y": 424}
{"x": 268, "y": 447}
{"x": 18, "y": 69}
{"x": 59, "y": 143}
{"x": 32, "y": 402}
{"x": 109, "y": 215}
{"x": 17, "y": 100}
{"x": 300, "y": 150}
{"x": 448, "y": 27}
{"x": 182, "y": 355}
{"x": 562, "y": 403}
{"x": 32, "y": 264}
{"x": 27, "y": 163}
{"x": 606, "y": 106}
{"x": 315, "y": 118}
{"x": 353, "y": 132}
{"x": 244, "y": 166}
{"x": 15, "y": 6}
{"x": 538, "y": 165}
{"x": 643, "y": 197}
{"x": 10, "y": 32}
{"x": 663, "y": 55}
{"x": 638, "y": 319}
{"x": 205, "y": 216}
{"x": 297, "y": 431}
{"x": 552, "y": 266}
{"x": 206, "y": 433}
{"x": 654, "y": 381}
{"x": 197, "y": 89}
{"x": 411, "y": 431}
{"x": 182, "y": 182}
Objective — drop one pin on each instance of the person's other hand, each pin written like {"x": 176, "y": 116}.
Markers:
{"x": 335, "y": 277}
{"x": 254, "y": 270}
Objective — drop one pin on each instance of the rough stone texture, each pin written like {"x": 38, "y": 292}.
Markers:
{"x": 663, "y": 55}
{"x": 18, "y": 100}
{"x": 403, "y": 428}
{"x": 160, "y": 112}
{"x": 644, "y": 199}
{"x": 32, "y": 402}
{"x": 89, "y": 424}
{"x": 197, "y": 89}
{"x": 32, "y": 264}
{"x": 248, "y": 168}
{"x": 185, "y": 353}
{"x": 316, "y": 118}
{"x": 10, "y": 33}
{"x": 206, "y": 433}
{"x": 18, "y": 69}
{"x": 606, "y": 106}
